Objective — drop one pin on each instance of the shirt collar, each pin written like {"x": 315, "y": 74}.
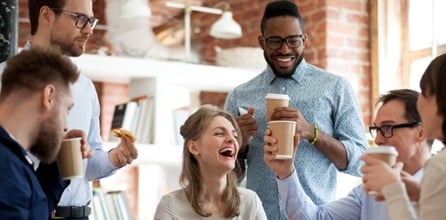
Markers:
{"x": 9, "y": 142}
{"x": 298, "y": 74}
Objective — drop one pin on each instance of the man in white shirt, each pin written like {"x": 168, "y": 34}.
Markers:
{"x": 67, "y": 24}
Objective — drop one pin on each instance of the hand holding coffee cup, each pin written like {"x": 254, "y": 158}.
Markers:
{"x": 69, "y": 159}
{"x": 282, "y": 168}
{"x": 85, "y": 148}
{"x": 284, "y": 132}
{"x": 273, "y": 101}
{"x": 386, "y": 154}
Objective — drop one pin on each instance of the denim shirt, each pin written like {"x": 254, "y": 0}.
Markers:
{"x": 325, "y": 99}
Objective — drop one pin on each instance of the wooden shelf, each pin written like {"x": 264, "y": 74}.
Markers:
{"x": 189, "y": 75}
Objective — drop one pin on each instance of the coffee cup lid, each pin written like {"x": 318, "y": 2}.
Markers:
{"x": 277, "y": 96}
{"x": 282, "y": 121}
{"x": 72, "y": 139}
{"x": 381, "y": 150}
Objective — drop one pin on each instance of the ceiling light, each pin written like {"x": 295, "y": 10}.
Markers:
{"x": 225, "y": 27}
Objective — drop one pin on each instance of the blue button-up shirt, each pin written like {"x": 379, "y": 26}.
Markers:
{"x": 324, "y": 99}
{"x": 357, "y": 205}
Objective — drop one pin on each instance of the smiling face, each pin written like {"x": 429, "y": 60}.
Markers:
{"x": 217, "y": 148}
{"x": 284, "y": 60}
{"x": 64, "y": 32}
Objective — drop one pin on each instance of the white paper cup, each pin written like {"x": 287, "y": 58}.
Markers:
{"x": 385, "y": 153}
{"x": 273, "y": 101}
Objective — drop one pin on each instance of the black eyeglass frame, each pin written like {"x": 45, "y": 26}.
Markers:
{"x": 391, "y": 127}
{"x": 78, "y": 16}
{"x": 299, "y": 38}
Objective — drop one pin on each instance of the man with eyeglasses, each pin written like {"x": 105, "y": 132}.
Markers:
{"x": 399, "y": 125}
{"x": 323, "y": 104}
{"x": 67, "y": 25}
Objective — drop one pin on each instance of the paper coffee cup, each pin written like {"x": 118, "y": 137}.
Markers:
{"x": 273, "y": 101}
{"x": 388, "y": 154}
{"x": 69, "y": 159}
{"x": 284, "y": 132}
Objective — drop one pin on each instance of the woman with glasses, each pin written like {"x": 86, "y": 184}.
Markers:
{"x": 431, "y": 196}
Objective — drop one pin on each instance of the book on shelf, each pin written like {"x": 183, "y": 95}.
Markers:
{"x": 100, "y": 208}
{"x": 111, "y": 205}
{"x": 143, "y": 129}
{"x": 136, "y": 116}
{"x": 124, "y": 115}
{"x": 179, "y": 117}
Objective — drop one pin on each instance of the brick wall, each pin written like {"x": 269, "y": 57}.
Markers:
{"x": 338, "y": 40}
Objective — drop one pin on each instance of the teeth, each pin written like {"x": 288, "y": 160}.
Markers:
{"x": 284, "y": 59}
{"x": 227, "y": 152}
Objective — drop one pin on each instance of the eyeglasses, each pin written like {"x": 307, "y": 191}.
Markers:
{"x": 291, "y": 41}
{"x": 387, "y": 130}
{"x": 81, "y": 19}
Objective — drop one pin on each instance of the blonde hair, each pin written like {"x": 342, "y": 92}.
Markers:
{"x": 190, "y": 178}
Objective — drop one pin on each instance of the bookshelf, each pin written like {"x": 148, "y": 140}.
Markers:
{"x": 170, "y": 84}
{"x": 163, "y": 80}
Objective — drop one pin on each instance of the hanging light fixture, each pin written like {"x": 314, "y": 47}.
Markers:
{"x": 134, "y": 9}
{"x": 224, "y": 28}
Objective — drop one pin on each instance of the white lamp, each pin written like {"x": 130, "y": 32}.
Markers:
{"x": 224, "y": 28}
{"x": 135, "y": 8}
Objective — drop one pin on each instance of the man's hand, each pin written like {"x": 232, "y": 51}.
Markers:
{"x": 282, "y": 168}
{"x": 303, "y": 127}
{"x": 124, "y": 153}
{"x": 377, "y": 174}
{"x": 85, "y": 148}
{"x": 248, "y": 126}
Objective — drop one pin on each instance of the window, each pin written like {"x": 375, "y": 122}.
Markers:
{"x": 425, "y": 38}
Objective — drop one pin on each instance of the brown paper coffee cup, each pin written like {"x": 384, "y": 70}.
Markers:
{"x": 284, "y": 132}
{"x": 388, "y": 154}
{"x": 273, "y": 101}
{"x": 69, "y": 159}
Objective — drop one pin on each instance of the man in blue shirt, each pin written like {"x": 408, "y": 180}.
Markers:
{"x": 397, "y": 124}
{"x": 34, "y": 103}
{"x": 323, "y": 104}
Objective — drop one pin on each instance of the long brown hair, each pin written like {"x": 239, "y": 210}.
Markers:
{"x": 190, "y": 178}
{"x": 433, "y": 84}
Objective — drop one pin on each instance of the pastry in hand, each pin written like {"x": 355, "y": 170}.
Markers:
{"x": 121, "y": 132}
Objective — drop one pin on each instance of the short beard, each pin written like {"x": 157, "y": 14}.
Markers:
{"x": 66, "y": 48}
{"x": 48, "y": 142}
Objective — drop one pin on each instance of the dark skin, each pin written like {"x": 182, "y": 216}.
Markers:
{"x": 284, "y": 62}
